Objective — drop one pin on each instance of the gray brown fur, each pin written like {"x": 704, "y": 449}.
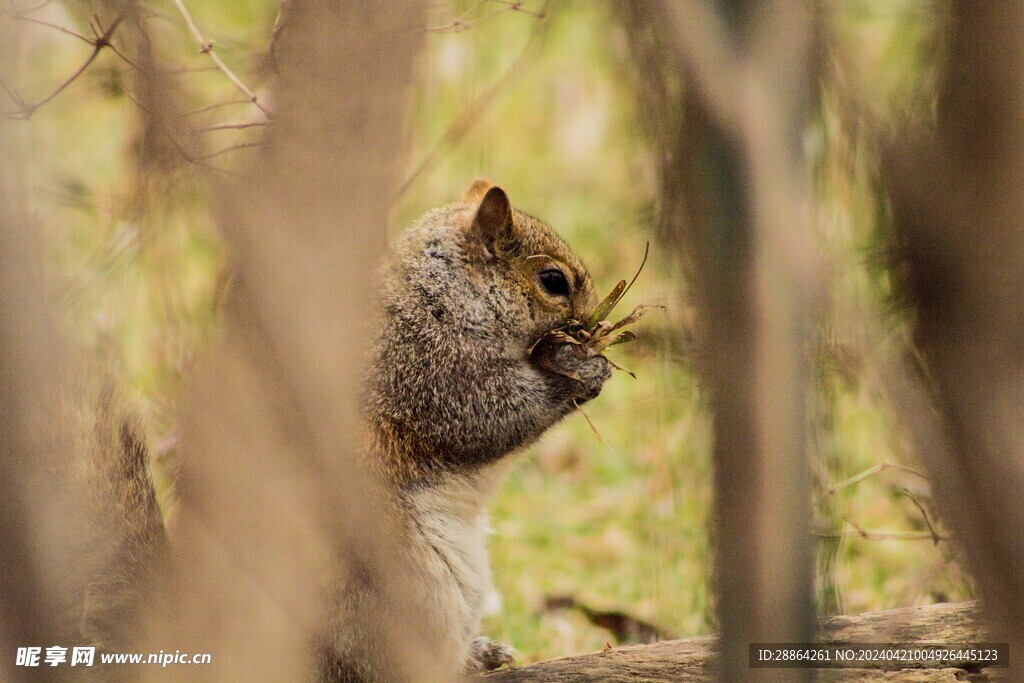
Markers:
{"x": 134, "y": 543}
{"x": 118, "y": 527}
{"x": 453, "y": 392}
{"x": 452, "y": 388}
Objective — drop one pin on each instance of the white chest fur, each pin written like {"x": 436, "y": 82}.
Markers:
{"x": 449, "y": 528}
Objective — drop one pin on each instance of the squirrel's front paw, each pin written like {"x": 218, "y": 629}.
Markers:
{"x": 586, "y": 374}
{"x": 487, "y": 655}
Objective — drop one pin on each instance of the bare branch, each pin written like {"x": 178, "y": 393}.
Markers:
{"x": 191, "y": 70}
{"x": 936, "y": 536}
{"x": 120, "y": 54}
{"x": 185, "y": 154}
{"x": 461, "y": 23}
{"x": 870, "y": 472}
{"x": 100, "y": 42}
{"x": 461, "y": 125}
{"x": 206, "y": 47}
{"x": 232, "y": 148}
{"x": 871, "y": 535}
{"x": 211, "y": 107}
{"x": 461, "y": 18}
{"x": 30, "y": 10}
{"x": 12, "y": 93}
{"x": 22, "y": 16}
{"x": 237, "y": 125}
{"x": 517, "y": 6}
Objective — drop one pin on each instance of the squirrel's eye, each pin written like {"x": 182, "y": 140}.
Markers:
{"x": 554, "y": 281}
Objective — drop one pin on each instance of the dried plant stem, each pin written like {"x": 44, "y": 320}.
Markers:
{"x": 589, "y": 421}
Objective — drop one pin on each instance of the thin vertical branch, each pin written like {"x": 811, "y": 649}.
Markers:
{"x": 736, "y": 197}
{"x": 276, "y": 506}
{"x": 958, "y": 197}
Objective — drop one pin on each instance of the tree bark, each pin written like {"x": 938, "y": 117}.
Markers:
{"x": 694, "y": 659}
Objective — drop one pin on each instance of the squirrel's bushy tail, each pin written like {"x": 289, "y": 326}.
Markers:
{"x": 127, "y": 535}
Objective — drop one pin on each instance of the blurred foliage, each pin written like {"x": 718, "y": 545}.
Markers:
{"x": 545, "y": 107}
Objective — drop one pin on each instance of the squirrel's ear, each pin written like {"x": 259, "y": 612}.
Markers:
{"x": 494, "y": 216}
{"x": 477, "y": 191}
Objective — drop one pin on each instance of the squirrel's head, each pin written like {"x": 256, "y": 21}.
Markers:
{"x": 466, "y": 293}
{"x": 538, "y": 270}
{"x": 481, "y": 276}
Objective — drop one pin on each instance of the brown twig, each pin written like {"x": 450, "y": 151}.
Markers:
{"x": 590, "y": 422}
{"x": 870, "y": 472}
{"x": 191, "y": 70}
{"x": 237, "y": 125}
{"x": 461, "y": 23}
{"x": 185, "y": 154}
{"x": 12, "y": 93}
{"x": 206, "y": 47}
{"x": 22, "y": 16}
{"x": 936, "y": 536}
{"x": 101, "y": 41}
{"x": 461, "y": 125}
{"x": 211, "y": 107}
{"x": 517, "y": 6}
{"x": 458, "y": 21}
{"x": 232, "y": 148}
{"x": 871, "y": 535}
{"x": 29, "y": 10}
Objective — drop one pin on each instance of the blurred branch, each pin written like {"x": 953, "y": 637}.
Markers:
{"x": 936, "y": 536}
{"x": 211, "y": 107}
{"x": 206, "y": 47}
{"x": 29, "y": 10}
{"x": 23, "y": 16}
{"x": 472, "y": 114}
{"x": 237, "y": 125}
{"x": 870, "y": 472}
{"x": 735, "y": 199}
{"x": 709, "y": 52}
{"x": 265, "y": 561}
{"x": 176, "y": 143}
{"x": 102, "y": 40}
{"x": 39, "y": 566}
{"x": 879, "y": 535}
{"x": 232, "y": 148}
{"x": 462, "y": 22}
{"x": 956, "y": 190}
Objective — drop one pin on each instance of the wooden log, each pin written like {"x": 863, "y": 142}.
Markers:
{"x": 694, "y": 659}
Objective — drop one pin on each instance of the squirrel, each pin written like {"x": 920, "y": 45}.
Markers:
{"x": 453, "y": 388}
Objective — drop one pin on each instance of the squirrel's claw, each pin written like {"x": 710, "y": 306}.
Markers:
{"x": 487, "y": 655}
{"x": 587, "y": 373}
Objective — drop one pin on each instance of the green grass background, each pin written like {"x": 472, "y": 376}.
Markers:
{"x": 620, "y": 522}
